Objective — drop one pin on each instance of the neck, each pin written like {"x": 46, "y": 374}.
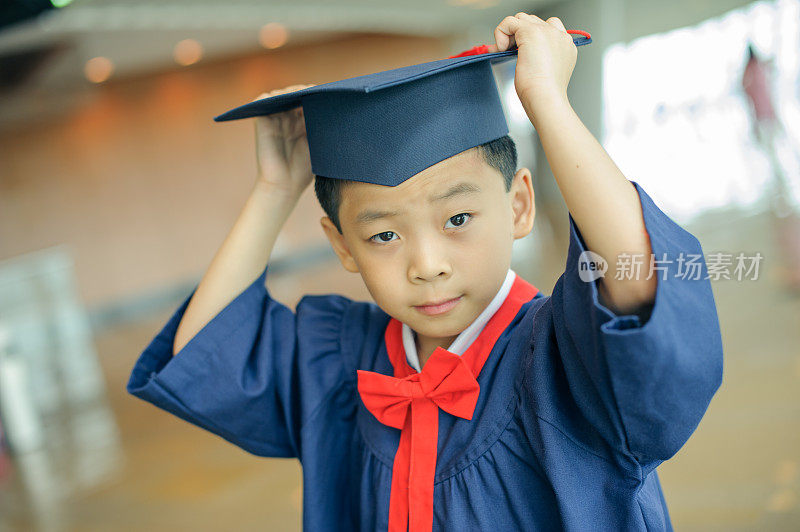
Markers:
{"x": 427, "y": 345}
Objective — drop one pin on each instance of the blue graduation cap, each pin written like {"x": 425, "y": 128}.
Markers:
{"x": 383, "y": 128}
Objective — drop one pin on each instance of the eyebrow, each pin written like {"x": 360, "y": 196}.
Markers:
{"x": 458, "y": 189}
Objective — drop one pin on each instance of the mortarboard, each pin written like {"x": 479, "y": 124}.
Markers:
{"x": 383, "y": 128}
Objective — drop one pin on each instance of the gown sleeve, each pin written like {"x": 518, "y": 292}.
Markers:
{"x": 643, "y": 381}
{"x": 254, "y": 374}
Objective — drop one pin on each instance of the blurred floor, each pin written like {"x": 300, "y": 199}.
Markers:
{"x": 740, "y": 471}
{"x": 741, "y": 468}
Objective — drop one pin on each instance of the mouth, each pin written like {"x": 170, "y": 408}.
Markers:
{"x": 439, "y": 307}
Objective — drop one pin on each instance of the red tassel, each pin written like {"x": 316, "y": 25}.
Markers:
{"x": 580, "y": 32}
{"x": 475, "y": 50}
{"x": 484, "y": 48}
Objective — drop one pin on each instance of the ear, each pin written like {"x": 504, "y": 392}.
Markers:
{"x": 522, "y": 202}
{"x": 338, "y": 244}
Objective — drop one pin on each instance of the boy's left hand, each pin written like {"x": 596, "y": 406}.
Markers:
{"x": 545, "y": 59}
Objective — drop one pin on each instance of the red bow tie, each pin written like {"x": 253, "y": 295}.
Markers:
{"x": 410, "y": 401}
{"x": 445, "y": 382}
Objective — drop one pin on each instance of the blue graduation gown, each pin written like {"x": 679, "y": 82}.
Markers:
{"x": 577, "y": 405}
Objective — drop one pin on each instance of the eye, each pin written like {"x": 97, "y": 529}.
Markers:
{"x": 459, "y": 219}
{"x": 380, "y": 237}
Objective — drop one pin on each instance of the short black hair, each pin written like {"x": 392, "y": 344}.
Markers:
{"x": 500, "y": 154}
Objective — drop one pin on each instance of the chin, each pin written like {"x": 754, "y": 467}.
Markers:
{"x": 441, "y": 327}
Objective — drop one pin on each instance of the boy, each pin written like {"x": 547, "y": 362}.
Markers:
{"x": 463, "y": 398}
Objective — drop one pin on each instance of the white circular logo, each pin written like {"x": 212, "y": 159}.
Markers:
{"x": 591, "y": 266}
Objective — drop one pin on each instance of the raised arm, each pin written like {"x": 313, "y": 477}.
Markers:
{"x": 284, "y": 171}
{"x": 244, "y": 366}
{"x": 637, "y": 360}
{"x": 601, "y": 200}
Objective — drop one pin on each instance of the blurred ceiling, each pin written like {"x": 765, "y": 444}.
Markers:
{"x": 45, "y": 54}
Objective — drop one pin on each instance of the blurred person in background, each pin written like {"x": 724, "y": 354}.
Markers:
{"x": 769, "y": 131}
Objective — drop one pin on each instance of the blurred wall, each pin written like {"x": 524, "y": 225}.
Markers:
{"x": 143, "y": 186}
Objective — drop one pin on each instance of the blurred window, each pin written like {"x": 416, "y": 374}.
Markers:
{"x": 677, "y": 120}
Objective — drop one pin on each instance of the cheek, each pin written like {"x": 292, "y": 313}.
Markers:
{"x": 492, "y": 238}
{"x": 380, "y": 278}
{"x": 491, "y": 232}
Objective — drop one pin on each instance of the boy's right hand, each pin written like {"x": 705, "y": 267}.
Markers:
{"x": 282, "y": 147}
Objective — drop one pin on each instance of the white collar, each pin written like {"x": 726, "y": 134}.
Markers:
{"x": 468, "y": 335}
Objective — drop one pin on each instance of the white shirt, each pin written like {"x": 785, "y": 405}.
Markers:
{"x": 468, "y": 335}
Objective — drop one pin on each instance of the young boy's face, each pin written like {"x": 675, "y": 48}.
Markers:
{"x": 445, "y": 233}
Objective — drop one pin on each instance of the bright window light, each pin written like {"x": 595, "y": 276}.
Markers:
{"x": 677, "y": 120}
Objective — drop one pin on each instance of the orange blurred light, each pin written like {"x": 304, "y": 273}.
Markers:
{"x": 273, "y": 35}
{"x": 187, "y": 52}
{"x": 98, "y": 69}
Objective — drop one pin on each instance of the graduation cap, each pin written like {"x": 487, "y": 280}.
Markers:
{"x": 383, "y": 128}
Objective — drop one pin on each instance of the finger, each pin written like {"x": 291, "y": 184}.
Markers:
{"x": 504, "y": 33}
{"x": 292, "y": 88}
{"x": 491, "y": 48}
{"x": 284, "y": 90}
{"x": 529, "y": 16}
{"x": 269, "y": 94}
{"x": 555, "y": 21}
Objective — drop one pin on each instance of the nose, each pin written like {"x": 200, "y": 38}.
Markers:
{"x": 429, "y": 261}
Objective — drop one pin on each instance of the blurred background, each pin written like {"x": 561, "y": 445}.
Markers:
{"x": 117, "y": 188}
